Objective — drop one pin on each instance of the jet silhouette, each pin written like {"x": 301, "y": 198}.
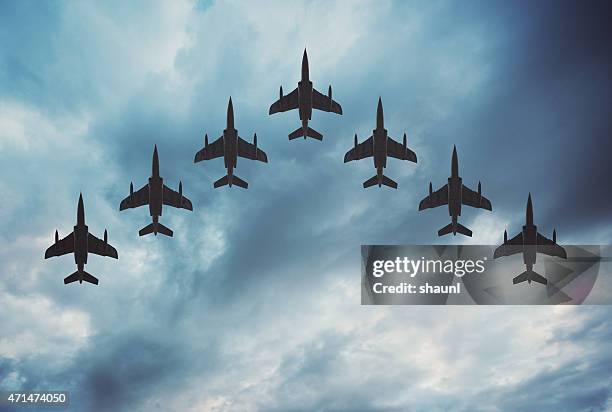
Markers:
{"x": 380, "y": 146}
{"x": 230, "y": 146}
{"x": 530, "y": 242}
{"x": 155, "y": 194}
{"x": 81, "y": 242}
{"x": 305, "y": 98}
{"x": 454, "y": 194}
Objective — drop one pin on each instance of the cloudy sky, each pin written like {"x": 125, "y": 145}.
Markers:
{"x": 254, "y": 305}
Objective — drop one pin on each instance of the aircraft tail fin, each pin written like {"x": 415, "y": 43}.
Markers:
{"x": 308, "y": 132}
{"x": 460, "y": 229}
{"x": 385, "y": 181}
{"x": 81, "y": 275}
{"x": 463, "y": 230}
{"x": 150, "y": 228}
{"x": 531, "y": 276}
{"x": 235, "y": 181}
{"x": 239, "y": 182}
{"x": 222, "y": 182}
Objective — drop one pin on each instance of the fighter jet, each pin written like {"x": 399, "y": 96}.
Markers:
{"x": 380, "y": 146}
{"x": 530, "y": 242}
{"x": 81, "y": 242}
{"x": 155, "y": 194}
{"x": 305, "y": 98}
{"x": 230, "y": 146}
{"x": 454, "y": 194}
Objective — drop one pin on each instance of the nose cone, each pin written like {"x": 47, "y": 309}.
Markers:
{"x": 380, "y": 122}
{"x": 230, "y": 114}
{"x": 305, "y": 66}
{"x": 80, "y": 211}
{"x": 155, "y": 166}
{"x": 529, "y": 213}
{"x": 455, "y": 163}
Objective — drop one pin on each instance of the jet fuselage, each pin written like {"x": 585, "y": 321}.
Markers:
{"x": 379, "y": 140}
{"x": 455, "y": 187}
{"x": 81, "y": 234}
{"x": 530, "y": 237}
{"x": 305, "y": 94}
{"x": 156, "y": 186}
{"x": 454, "y": 197}
{"x": 230, "y": 142}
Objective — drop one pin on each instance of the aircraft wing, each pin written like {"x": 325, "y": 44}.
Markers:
{"x": 61, "y": 247}
{"x": 287, "y": 102}
{"x": 324, "y": 103}
{"x": 174, "y": 199}
{"x": 137, "y": 199}
{"x": 99, "y": 247}
{"x": 212, "y": 151}
{"x": 250, "y": 151}
{"x": 471, "y": 198}
{"x": 511, "y": 247}
{"x": 399, "y": 151}
{"x": 361, "y": 151}
{"x": 548, "y": 247}
{"x": 435, "y": 199}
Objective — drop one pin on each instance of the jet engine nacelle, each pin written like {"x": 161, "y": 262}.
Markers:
{"x": 430, "y": 189}
{"x": 56, "y": 236}
{"x": 206, "y": 140}
{"x": 329, "y": 94}
{"x": 105, "y": 236}
{"x": 505, "y": 236}
{"x": 355, "y": 140}
{"x": 280, "y": 96}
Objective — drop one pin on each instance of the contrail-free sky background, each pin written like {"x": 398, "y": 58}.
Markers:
{"x": 254, "y": 305}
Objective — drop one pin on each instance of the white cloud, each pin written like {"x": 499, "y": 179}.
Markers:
{"x": 34, "y": 326}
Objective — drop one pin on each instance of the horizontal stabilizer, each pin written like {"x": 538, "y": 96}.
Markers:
{"x": 221, "y": 182}
{"x": 81, "y": 276}
{"x": 150, "y": 228}
{"x": 309, "y": 132}
{"x": 239, "y": 182}
{"x": 463, "y": 230}
{"x": 460, "y": 229}
{"x": 531, "y": 276}
{"x": 235, "y": 181}
{"x": 446, "y": 230}
{"x": 385, "y": 181}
